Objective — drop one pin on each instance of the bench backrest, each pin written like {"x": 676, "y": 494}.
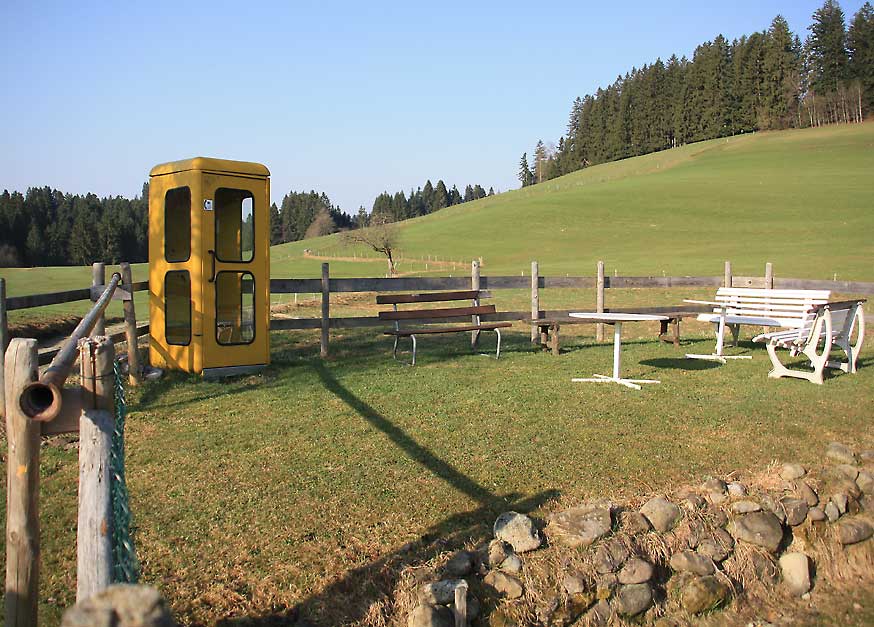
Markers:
{"x": 789, "y": 307}
{"x": 434, "y": 315}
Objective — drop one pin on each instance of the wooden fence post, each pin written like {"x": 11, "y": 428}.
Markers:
{"x": 474, "y": 285}
{"x": 94, "y": 531}
{"x": 98, "y": 277}
{"x": 22, "y": 490}
{"x": 726, "y": 281}
{"x": 599, "y": 301}
{"x": 326, "y": 309}
{"x": 535, "y": 301}
{"x": 769, "y": 276}
{"x": 4, "y": 342}
{"x": 130, "y": 327}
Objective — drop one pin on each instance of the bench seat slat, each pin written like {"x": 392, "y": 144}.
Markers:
{"x": 777, "y": 293}
{"x": 487, "y": 326}
{"x": 759, "y": 321}
{"x": 449, "y": 312}
{"x": 429, "y": 297}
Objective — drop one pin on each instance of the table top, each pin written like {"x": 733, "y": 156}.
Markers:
{"x": 617, "y": 317}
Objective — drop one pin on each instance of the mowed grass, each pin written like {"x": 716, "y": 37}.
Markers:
{"x": 800, "y": 199}
{"x": 304, "y": 484}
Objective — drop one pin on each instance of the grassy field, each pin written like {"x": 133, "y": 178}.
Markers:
{"x": 306, "y": 485}
{"x": 303, "y": 484}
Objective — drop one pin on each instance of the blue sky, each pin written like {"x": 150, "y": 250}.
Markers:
{"x": 346, "y": 98}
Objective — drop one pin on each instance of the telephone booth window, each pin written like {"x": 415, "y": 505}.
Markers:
{"x": 177, "y": 224}
{"x": 177, "y": 307}
{"x": 235, "y": 308}
{"x": 234, "y": 225}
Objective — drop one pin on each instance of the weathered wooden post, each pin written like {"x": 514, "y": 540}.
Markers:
{"x": 98, "y": 277}
{"x": 130, "y": 327}
{"x": 4, "y": 342}
{"x": 599, "y": 301}
{"x": 726, "y": 281}
{"x": 94, "y": 532}
{"x": 474, "y": 285}
{"x": 535, "y": 301}
{"x": 326, "y": 309}
{"x": 769, "y": 276}
{"x": 22, "y": 489}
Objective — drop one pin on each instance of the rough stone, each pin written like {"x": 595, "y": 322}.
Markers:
{"x": 853, "y": 530}
{"x": 795, "y": 568}
{"x": 634, "y": 599}
{"x": 661, "y": 513}
{"x": 717, "y": 517}
{"x": 769, "y": 504}
{"x": 610, "y": 556}
{"x": 796, "y": 510}
{"x": 703, "y": 594}
{"x": 431, "y": 616}
{"x": 832, "y": 512}
{"x": 815, "y": 514}
{"x": 599, "y": 615}
{"x": 840, "y": 453}
{"x": 736, "y": 489}
{"x": 850, "y": 488}
{"x": 714, "y": 485}
{"x": 580, "y": 526}
{"x": 692, "y": 562}
{"x": 506, "y": 585}
{"x": 512, "y": 564}
{"x": 690, "y": 498}
{"x": 460, "y": 564}
{"x": 865, "y": 481}
{"x": 634, "y": 523}
{"x": 440, "y": 592}
{"x": 518, "y": 531}
{"x": 804, "y": 491}
{"x": 764, "y": 567}
{"x": 759, "y": 528}
{"x": 867, "y": 456}
{"x": 574, "y": 584}
{"x": 605, "y": 585}
{"x": 841, "y": 501}
{"x": 745, "y": 507}
{"x": 497, "y": 553}
{"x": 790, "y": 472}
{"x": 636, "y": 570}
{"x": 847, "y": 471}
{"x": 717, "y": 546}
{"x": 121, "y": 606}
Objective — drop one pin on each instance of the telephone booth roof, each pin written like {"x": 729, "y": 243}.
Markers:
{"x": 216, "y": 166}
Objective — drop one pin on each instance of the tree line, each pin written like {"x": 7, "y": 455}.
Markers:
{"x": 424, "y": 200}
{"x": 46, "y": 227}
{"x": 768, "y": 80}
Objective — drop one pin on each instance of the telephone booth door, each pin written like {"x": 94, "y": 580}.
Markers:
{"x": 209, "y": 266}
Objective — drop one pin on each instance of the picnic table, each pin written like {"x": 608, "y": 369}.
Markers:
{"x": 616, "y": 319}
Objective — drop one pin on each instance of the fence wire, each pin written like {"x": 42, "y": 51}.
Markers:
{"x": 126, "y": 567}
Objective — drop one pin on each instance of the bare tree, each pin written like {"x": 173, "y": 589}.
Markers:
{"x": 381, "y": 236}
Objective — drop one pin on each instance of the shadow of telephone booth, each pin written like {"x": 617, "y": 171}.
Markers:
{"x": 209, "y": 266}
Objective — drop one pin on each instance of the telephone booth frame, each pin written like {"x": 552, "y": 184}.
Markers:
{"x": 209, "y": 266}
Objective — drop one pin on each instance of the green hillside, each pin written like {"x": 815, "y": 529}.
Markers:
{"x": 801, "y": 199}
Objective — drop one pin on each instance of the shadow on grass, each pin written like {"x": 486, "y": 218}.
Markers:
{"x": 680, "y": 363}
{"x": 352, "y": 597}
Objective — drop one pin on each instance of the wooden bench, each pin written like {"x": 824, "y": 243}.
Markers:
{"x": 552, "y": 327}
{"x": 442, "y": 315}
{"x": 824, "y": 325}
{"x": 735, "y": 306}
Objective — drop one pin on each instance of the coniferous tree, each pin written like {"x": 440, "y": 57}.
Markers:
{"x": 275, "y": 225}
{"x": 860, "y": 45}
{"x": 525, "y": 175}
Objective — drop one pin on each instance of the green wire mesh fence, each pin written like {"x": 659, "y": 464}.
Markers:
{"x": 126, "y": 567}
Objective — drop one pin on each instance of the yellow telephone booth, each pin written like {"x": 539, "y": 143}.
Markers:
{"x": 209, "y": 266}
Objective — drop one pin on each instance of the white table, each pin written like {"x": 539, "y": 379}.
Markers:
{"x": 616, "y": 319}
{"x": 718, "y": 355}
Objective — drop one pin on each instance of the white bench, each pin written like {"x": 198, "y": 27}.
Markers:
{"x": 735, "y": 306}
{"x": 825, "y": 325}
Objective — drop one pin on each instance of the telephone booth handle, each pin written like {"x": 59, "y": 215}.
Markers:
{"x": 212, "y": 276}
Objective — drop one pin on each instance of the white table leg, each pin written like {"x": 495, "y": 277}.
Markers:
{"x": 617, "y": 346}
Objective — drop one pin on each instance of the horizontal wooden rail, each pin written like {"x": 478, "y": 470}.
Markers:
{"x": 46, "y": 355}
{"x": 56, "y": 298}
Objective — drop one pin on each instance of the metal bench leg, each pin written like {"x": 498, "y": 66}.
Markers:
{"x": 498, "y": 352}
{"x": 413, "y": 337}
{"x": 394, "y": 352}
{"x": 735, "y": 333}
